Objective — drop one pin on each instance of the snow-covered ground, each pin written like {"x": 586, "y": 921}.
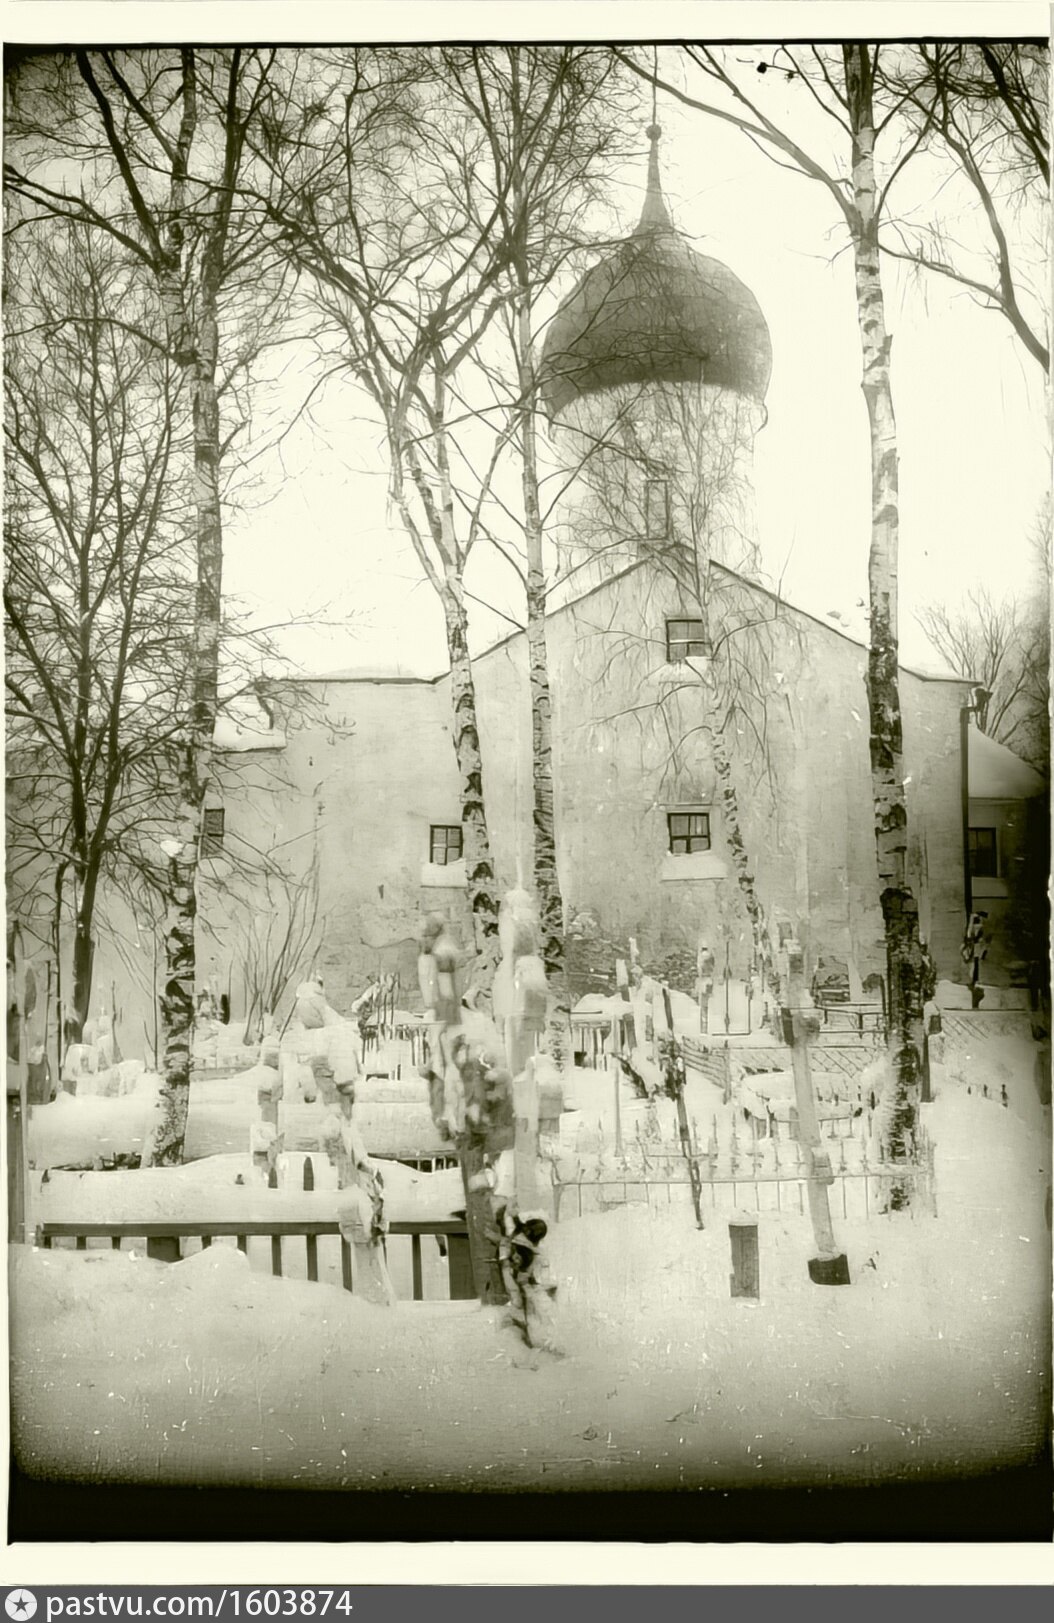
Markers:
{"x": 935, "y": 1361}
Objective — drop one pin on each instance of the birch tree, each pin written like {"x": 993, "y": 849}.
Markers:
{"x": 554, "y": 122}
{"x": 704, "y": 559}
{"x": 842, "y": 84}
{"x": 155, "y": 140}
{"x": 375, "y": 170}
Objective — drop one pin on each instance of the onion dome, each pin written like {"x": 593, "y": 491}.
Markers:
{"x": 655, "y": 311}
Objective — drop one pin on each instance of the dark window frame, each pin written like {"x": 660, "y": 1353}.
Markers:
{"x": 685, "y": 645}
{"x": 443, "y": 839}
{"x": 656, "y": 509}
{"x": 985, "y": 853}
{"x": 213, "y": 831}
{"x": 688, "y": 832}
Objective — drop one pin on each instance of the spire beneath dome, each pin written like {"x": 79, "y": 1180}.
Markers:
{"x": 654, "y": 215}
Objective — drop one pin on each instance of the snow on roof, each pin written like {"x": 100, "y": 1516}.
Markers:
{"x": 996, "y": 773}
{"x": 569, "y": 589}
{"x": 243, "y": 725}
{"x": 373, "y": 673}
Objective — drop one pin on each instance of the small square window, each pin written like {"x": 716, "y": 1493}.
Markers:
{"x": 212, "y": 831}
{"x": 445, "y": 843}
{"x": 656, "y": 509}
{"x": 984, "y": 853}
{"x": 689, "y": 832}
{"x": 685, "y": 639}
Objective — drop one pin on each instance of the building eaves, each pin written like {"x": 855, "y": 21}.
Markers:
{"x": 781, "y": 601}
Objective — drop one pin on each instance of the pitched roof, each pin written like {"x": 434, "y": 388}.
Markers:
{"x": 996, "y": 773}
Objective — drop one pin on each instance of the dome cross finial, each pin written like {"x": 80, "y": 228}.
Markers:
{"x": 654, "y": 215}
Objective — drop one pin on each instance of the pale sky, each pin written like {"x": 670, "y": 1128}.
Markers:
{"x": 974, "y": 451}
{"x": 974, "y": 455}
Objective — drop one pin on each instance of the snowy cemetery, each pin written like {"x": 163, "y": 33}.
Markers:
{"x": 691, "y": 1246}
{"x": 508, "y": 988}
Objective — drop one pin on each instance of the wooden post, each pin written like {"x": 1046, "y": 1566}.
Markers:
{"x": 830, "y": 1266}
{"x": 163, "y": 1248}
{"x": 357, "y": 1214}
{"x": 267, "y": 1098}
{"x": 16, "y": 1154}
{"x": 19, "y": 1007}
{"x": 745, "y": 1279}
{"x": 459, "y": 1268}
{"x": 675, "y": 1084}
{"x": 627, "y": 1024}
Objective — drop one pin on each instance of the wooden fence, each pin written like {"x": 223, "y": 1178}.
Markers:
{"x": 163, "y": 1242}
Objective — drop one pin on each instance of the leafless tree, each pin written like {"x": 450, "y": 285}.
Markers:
{"x": 842, "y": 82}
{"x": 98, "y": 592}
{"x": 146, "y": 147}
{"x": 987, "y": 642}
{"x": 555, "y": 120}
{"x": 699, "y": 554}
{"x": 374, "y": 170}
{"x": 272, "y": 933}
{"x": 986, "y": 106}
{"x": 1004, "y": 646}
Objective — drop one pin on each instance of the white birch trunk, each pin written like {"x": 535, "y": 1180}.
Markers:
{"x": 909, "y": 967}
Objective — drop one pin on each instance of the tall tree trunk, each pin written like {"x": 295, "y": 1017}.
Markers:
{"x": 177, "y": 1002}
{"x": 741, "y": 863}
{"x": 83, "y": 954}
{"x": 909, "y": 967}
{"x": 546, "y": 876}
{"x": 177, "y": 996}
{"x": 479, "y": 866}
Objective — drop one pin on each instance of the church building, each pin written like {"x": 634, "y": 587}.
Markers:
{"x": 703, "y": 727}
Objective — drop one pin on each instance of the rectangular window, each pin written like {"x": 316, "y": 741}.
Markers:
{"x": 684, "y": 639}
{"x": 984, "y": 853}
{"x": 689, "y": 831}
{"x": 656, "y": 509}
{"x": 445, "y": 843}
{"x": 212, "y": 831}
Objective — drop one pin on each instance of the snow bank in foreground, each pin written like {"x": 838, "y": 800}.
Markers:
{"x": 935, "y": 1360}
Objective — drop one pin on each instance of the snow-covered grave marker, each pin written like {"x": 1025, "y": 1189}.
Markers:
{"x": 265, "y": 1139}
{"x": 360, "y": 1212}
{"x": 520, "y": 1002}
{"x": 81, "y": 1061}
{"x": 459, "y": 1075}
{"x": 830, "y": 1266}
